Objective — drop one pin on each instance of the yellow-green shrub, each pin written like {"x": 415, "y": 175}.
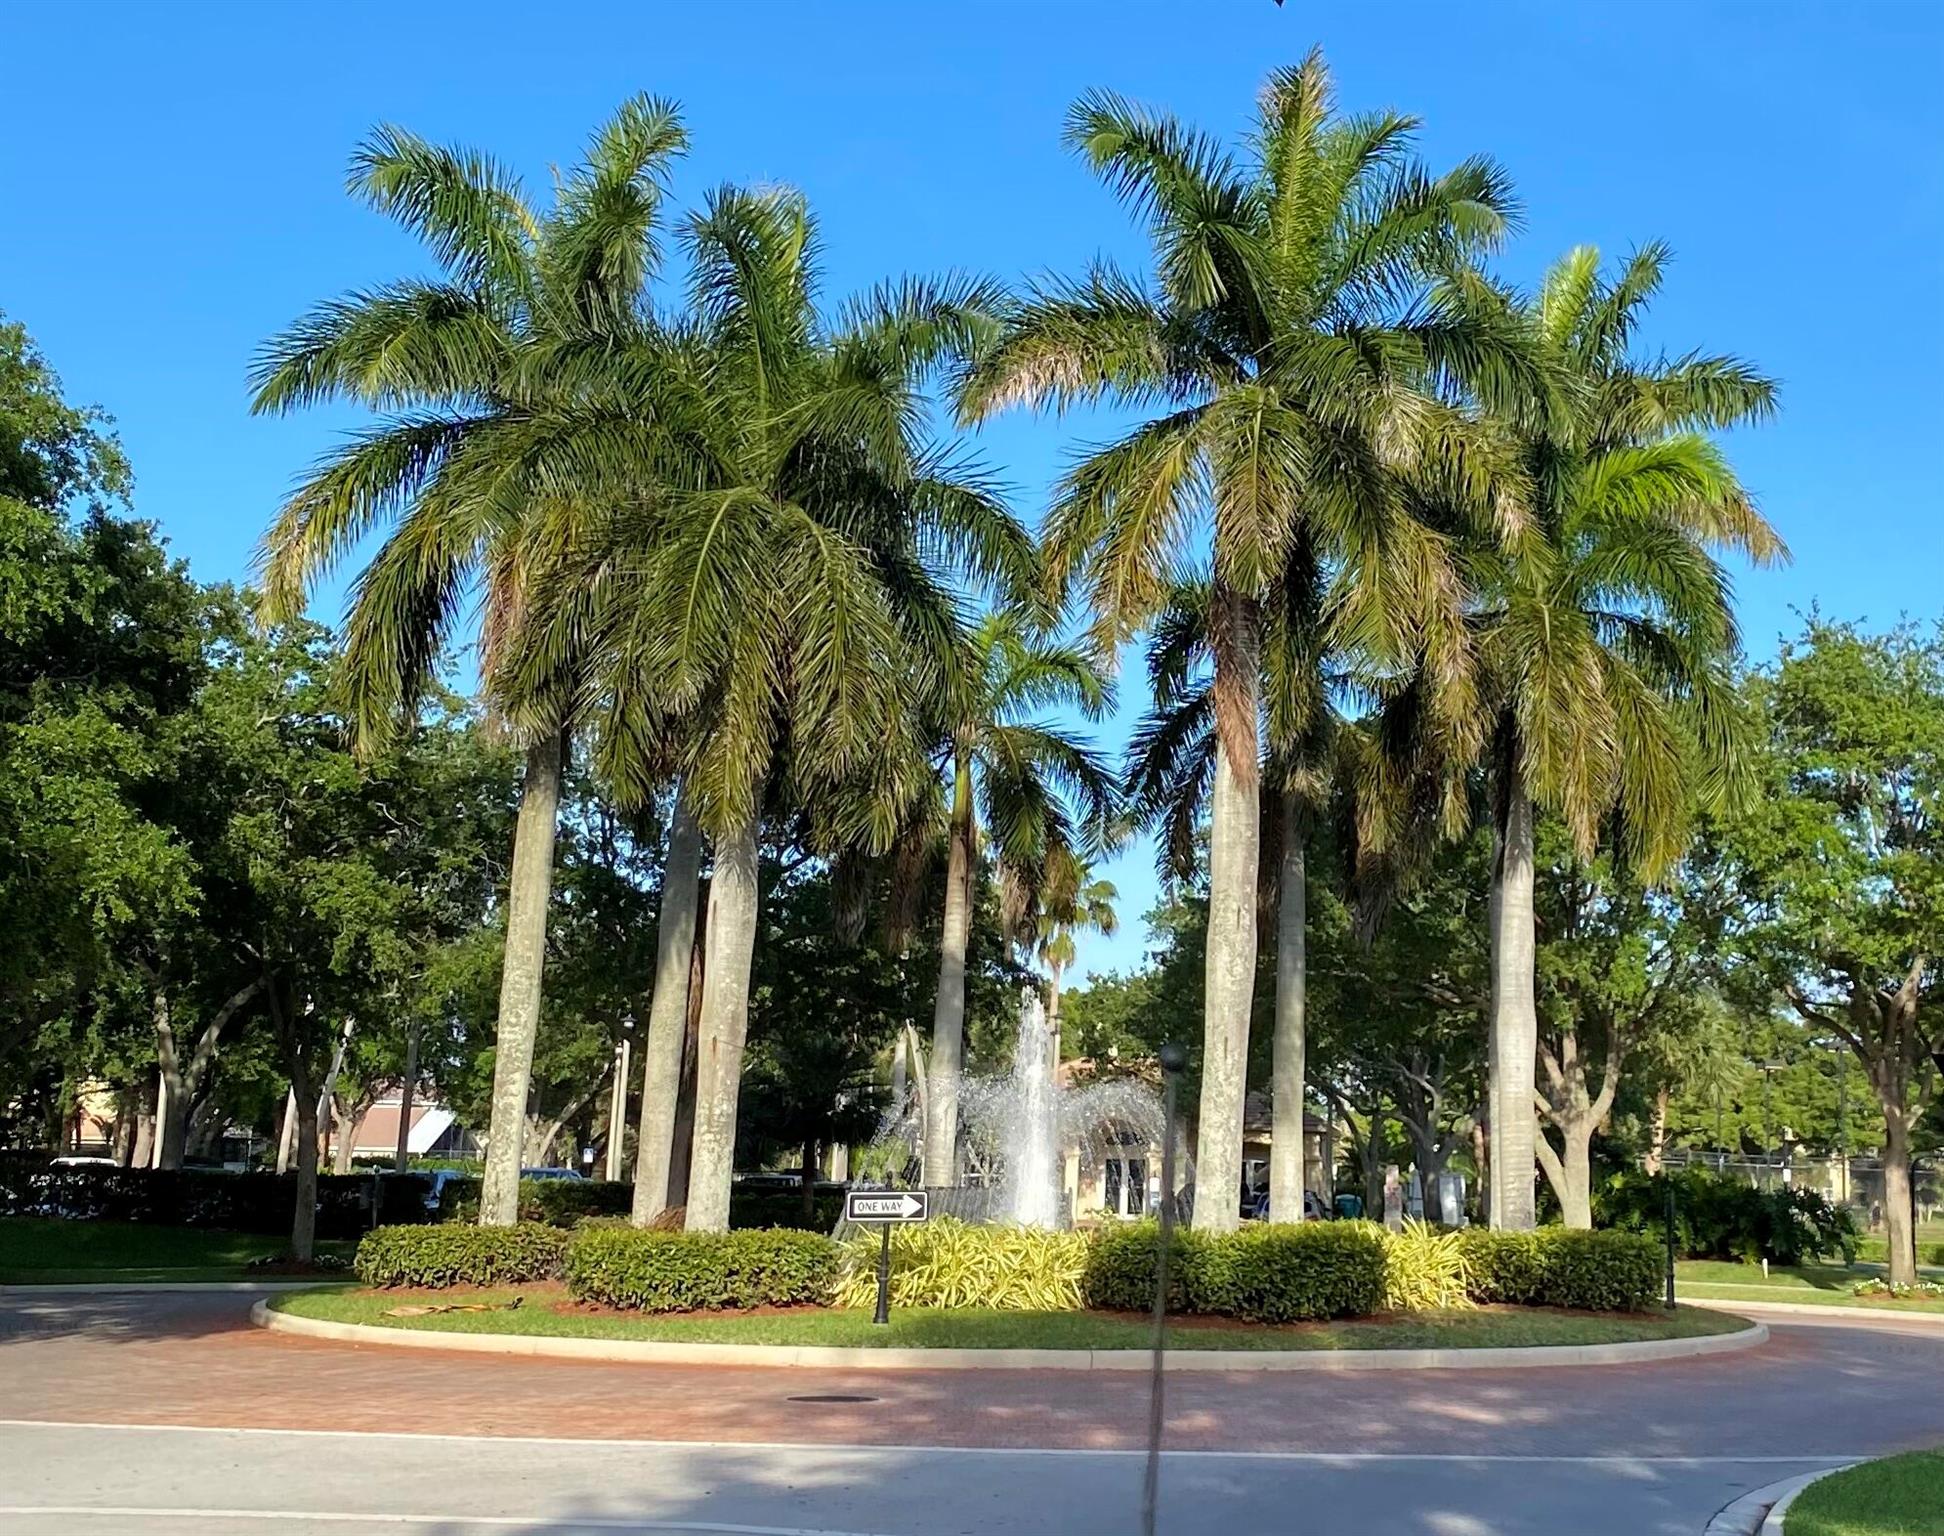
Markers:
{"x": 949, "y": 1263}
{"x": 1425, "y": 1269}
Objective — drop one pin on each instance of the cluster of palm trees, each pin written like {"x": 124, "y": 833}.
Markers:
{"x": 1389, "y": 526}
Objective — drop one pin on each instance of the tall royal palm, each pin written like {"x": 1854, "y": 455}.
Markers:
{"x": 1294, "y": 344}
{"x": 1036, "y": 791}
{"x": 475, "y": 374}
{"x": 768, "y": 581}
{"x": 1605, "y": 632}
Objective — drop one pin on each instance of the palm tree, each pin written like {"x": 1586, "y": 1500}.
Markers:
{"x": 475, "y": 376}
{"x": 763, "y": 604}
{"x": 1605, "y": 633}
{"x": 1020, "y": 781}
{"x": 1073, "y": 902}
{"x": 1292, "y": 340}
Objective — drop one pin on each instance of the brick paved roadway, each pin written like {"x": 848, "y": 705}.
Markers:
{"x": 1815, "y": 1390}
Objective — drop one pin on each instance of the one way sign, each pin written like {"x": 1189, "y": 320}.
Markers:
{"x": 898, "y": 1205}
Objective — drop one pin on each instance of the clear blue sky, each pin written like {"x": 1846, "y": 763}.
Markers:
{"x": 172, "y": 179}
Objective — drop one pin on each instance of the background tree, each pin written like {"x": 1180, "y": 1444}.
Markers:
{"x": 1838, "y": 860}
{"x": 1038, "y": 794}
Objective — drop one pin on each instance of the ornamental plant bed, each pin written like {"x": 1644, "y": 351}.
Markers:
{"x": 546, "y": 1309}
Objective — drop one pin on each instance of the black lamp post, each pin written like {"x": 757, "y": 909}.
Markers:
{"x": 1174, "y": 1059}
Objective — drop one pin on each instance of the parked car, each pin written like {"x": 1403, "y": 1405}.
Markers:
{"x": 436, "y": 1180}
{"x": 550, "y": 1173}
{"x": 1313, "y": 1207}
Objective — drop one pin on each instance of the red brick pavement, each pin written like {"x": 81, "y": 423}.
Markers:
{"x": 194, "y": 1360}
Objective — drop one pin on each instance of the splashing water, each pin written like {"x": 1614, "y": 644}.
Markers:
{"x": 1017, "y": 1132}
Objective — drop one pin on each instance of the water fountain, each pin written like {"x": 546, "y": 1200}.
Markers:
{"x": 1018, "y": 1130}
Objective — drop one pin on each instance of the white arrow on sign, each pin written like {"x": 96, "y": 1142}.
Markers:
{"x": 901, "y": 1206}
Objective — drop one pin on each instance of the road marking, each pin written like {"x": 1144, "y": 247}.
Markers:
{"x": 764, "y": 1446}
{"x": 522, "y": 1522}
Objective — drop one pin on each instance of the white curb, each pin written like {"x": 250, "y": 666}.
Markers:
{"x": 1761, "y": 1511}
{"x": 647, "y": 1352}
{"x": 1824, "y": 1310}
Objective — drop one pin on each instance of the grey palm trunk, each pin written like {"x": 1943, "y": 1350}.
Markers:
{"x": 948, "y": 1012}
{"x": 528, "y": 893}
{"x": 1514, "y": 1041}
{"x": 661, "y": 1054}
{"x": 1286, "y": 1172}
{"x": 730, "y": 944}
{"x": 1234, "y": 851}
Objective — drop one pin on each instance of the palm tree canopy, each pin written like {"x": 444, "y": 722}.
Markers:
{"x": 769, "y": 565}
{"x": 1607, "y": 630}
{"x": 1303, "y": 340}
{"x": 478, "y": 376}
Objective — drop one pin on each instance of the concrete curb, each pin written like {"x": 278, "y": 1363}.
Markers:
{"x": 1812, "y": 1309}
{"x": 1761, "y": 1511}
{"x": 654, "y": 1353}
{"x": 144, "y": 1288}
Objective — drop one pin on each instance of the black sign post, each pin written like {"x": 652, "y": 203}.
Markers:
{"x": 887, "y": 1208}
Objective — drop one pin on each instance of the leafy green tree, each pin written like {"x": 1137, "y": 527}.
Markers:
{"x": 1839, "y": 862}
{"x": 482, "y": 378}
{"x": 1606, "y": 633}
{"x": 1292, "y": 339}
{"x": 1624, "y": 970}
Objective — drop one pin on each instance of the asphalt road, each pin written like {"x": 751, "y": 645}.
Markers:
{"x": 121, "y": 1415}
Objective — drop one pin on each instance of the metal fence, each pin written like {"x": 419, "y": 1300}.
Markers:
{"x": 1855, "y": 1182}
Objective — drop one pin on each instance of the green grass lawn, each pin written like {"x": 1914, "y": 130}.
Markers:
{"x": 47, "y": 1251}
{"x": 543, "y": 1313}
{"x": 1901, "y": 1496}
{"x": 1817, "y": 1284}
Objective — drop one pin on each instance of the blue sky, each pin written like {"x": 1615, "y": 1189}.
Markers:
{"x": 173, "y": 184}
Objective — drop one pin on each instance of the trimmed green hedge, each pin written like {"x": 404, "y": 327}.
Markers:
{"x": 451, "y": 1254}
{"x": 1555, "y": 1267}
{"x": 1264, "y": 1273}
{"x": 688, "y": 1271}
{"x": 1319, "y": 1270}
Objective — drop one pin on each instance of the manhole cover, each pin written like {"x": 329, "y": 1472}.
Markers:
{"x": 829, "y": 1397}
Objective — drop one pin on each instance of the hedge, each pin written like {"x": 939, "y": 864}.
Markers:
{"x": 1318, "y": 1270}
{"x": 1724, "y": 1218}
{"x": 563, "y": 1202}
{"x": 1264, "y": 1273}
{"x": 1555, "y": 1267}
{"x": 689, "y": 1271}
{"x": 950, "y": 1263}
{"x": 205, "y": 1197}
{"x": 452, "y": 1254}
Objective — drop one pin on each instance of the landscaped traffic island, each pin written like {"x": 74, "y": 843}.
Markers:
{"x": 1323, "y": 1286}
{"x": 546, "y": 1310}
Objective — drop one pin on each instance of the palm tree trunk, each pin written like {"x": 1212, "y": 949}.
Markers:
{"x": 1515, "y": 1021}
{"x": 661, "y": 1053}
{"x": 725, "y": 1023}
{"x": 1234, "y": 852}
{"x": 948, "y": 1013}
{"x": 520, "y": 977}
{"x": 1657, "y": 1132}
{"x": 1286, "y": 1172}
